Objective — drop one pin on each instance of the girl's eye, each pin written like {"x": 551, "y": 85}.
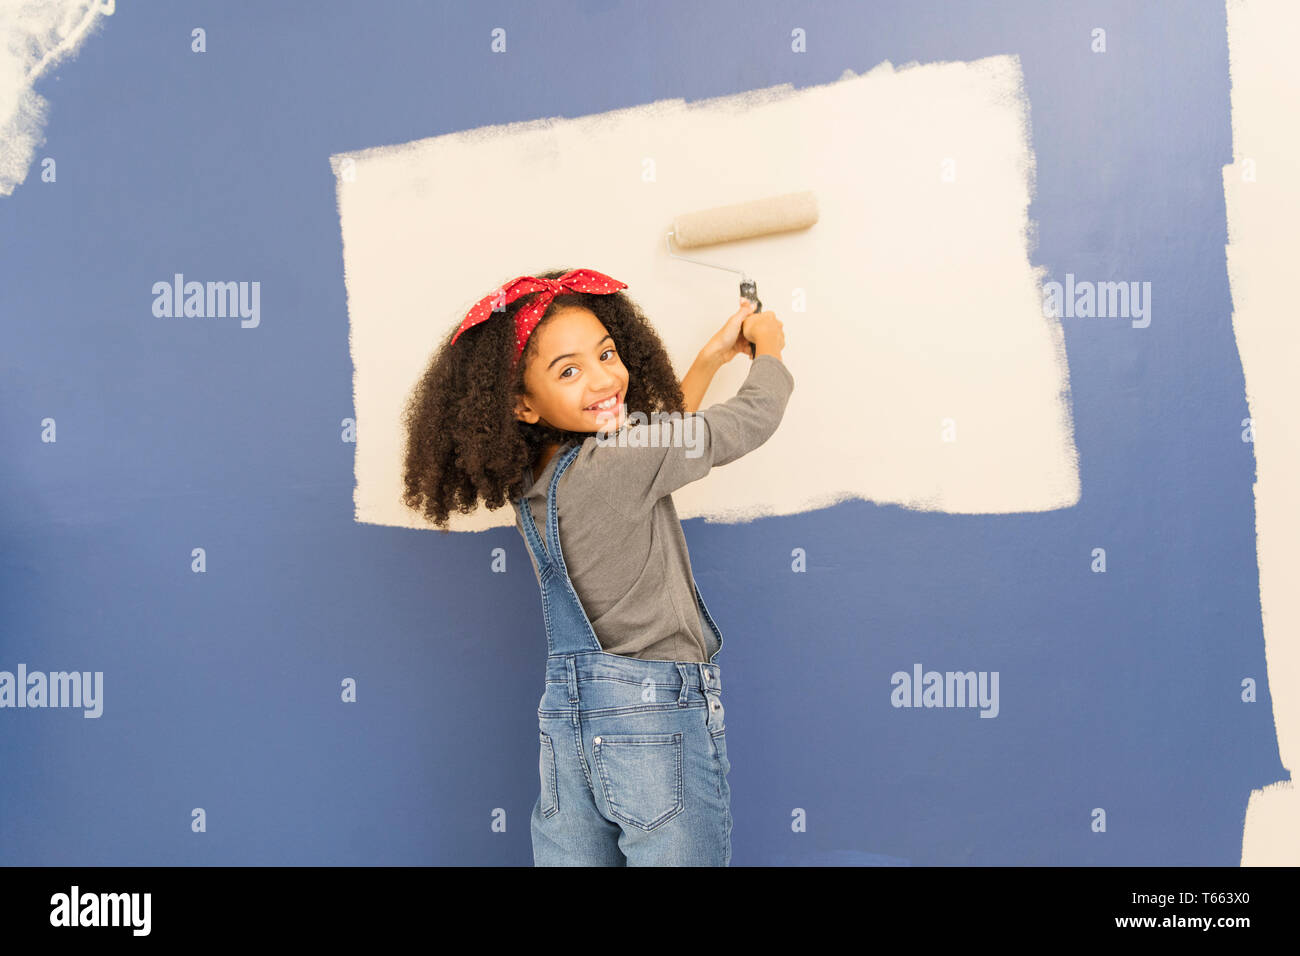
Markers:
{"x": 608, "y": 351}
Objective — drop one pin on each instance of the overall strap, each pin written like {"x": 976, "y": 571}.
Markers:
{"x": 530, "y": 534}
{"x": 552, "y": 515}
{"x": 543, "y": 555}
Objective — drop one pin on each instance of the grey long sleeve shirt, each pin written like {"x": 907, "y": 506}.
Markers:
{"x": 622, "y": 540}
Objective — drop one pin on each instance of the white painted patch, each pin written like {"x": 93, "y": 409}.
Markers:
{"x": 1262, "y": 194}
{"x": 35, "y": 36}
{"x": 924, "y": 315}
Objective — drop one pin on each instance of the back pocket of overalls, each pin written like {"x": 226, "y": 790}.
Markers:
{"x": 642, "y": 776}
{"x": 550, "y": 799}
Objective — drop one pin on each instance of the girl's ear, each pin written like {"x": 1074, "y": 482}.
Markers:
{"x": 524, "y": 413}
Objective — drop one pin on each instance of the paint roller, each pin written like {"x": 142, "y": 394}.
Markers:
{"x": 744, "y": 220}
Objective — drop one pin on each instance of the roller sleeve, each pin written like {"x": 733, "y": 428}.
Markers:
{"x": 743, "y": 220}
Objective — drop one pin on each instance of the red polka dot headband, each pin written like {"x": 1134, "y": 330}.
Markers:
{"x": 526, "y": 319}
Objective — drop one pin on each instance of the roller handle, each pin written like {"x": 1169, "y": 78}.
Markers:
{"x": 749, "y": 290}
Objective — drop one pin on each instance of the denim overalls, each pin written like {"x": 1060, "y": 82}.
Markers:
{"x": 633, "y": 752}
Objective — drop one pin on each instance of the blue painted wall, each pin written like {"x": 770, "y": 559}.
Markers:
{"x": 221, "y": 690}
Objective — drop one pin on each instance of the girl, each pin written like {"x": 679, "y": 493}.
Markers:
{"x": 528, "y": 400}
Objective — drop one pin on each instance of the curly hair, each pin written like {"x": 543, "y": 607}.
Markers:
{"x": 463, "y": 441}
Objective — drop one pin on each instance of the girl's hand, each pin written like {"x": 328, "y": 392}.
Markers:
{"x": 729, "y": 341}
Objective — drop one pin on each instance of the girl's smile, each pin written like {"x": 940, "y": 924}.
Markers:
{"x": 611, "y": 409}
